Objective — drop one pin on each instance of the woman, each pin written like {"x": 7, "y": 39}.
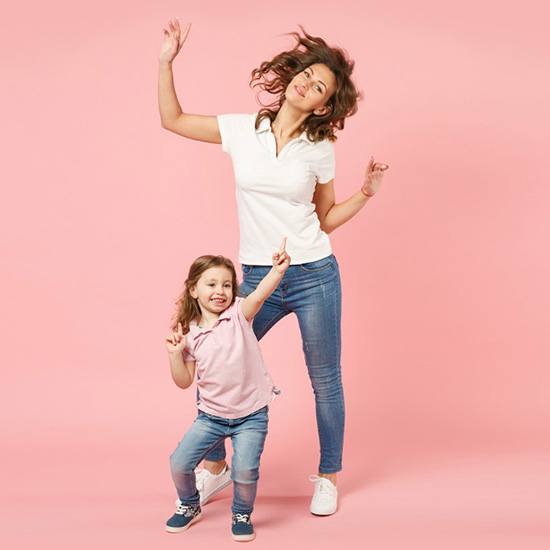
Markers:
{"x": 283, "y": 160}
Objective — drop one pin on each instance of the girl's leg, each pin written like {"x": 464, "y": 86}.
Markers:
{"x": 199, "y": 439}
{"x": 317, "y": 303}
{"x": 248, "y": 441}
{"x": 272, "y": 311}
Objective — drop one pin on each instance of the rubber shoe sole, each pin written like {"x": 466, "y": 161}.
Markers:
{"x": 180, "y": 529}
{"x": 244, "y": 538}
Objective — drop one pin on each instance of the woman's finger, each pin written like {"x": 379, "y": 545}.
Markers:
{"x": 370, "y": 165}
{"x": 186, "y": 32}
{"x": 283, "y": 245}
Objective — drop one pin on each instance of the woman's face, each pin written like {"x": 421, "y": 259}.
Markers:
{"x": 311, "y": 89}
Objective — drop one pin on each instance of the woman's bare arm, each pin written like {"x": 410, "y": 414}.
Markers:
{"x": 332, "y": 215}
{"x": 198, "y": 127}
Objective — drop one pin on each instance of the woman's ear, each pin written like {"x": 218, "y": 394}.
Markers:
{"x": 321, "y": 111}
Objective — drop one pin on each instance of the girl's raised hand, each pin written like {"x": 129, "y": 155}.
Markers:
{"x": 174, "y": 39}
{"x": 176, "y": 341}
{"x": 281, "y": 259}
{"x": 373, "y": 177}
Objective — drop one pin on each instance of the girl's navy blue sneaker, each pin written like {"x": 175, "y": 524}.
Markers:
{"x": 183, "y": 517}
{"x": 242, "y": 528}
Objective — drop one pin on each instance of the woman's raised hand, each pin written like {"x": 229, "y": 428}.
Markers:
{"x": 174, "y": 39}
{"x": 281, "y": 259}
{"x": 373, "y": 177}
{"x": 176, "y": 341}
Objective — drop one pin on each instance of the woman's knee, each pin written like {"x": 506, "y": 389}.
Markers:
{"x": 326, "y": 385}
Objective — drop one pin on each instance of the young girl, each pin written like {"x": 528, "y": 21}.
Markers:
{"x": 212, "y": 334}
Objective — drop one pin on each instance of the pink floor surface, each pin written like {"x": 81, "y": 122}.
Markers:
{"x": 475, "y": 501}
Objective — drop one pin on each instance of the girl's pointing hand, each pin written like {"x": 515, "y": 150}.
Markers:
{"x": 176, "y": 341}
{"x": 281, "y": 259}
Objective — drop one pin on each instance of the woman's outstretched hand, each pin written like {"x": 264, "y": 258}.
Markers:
{"x": 373, "y": 177}
{"x": 281, "y": 259}
{"x": 174, "y": 39}
{"x": 176, "y": 341}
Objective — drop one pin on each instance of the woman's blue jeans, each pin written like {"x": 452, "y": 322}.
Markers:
{"x": 313, "y": 292}
{"x": 247, "y": 438}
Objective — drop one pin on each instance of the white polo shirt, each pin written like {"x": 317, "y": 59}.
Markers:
{"x": 274, "y": 193}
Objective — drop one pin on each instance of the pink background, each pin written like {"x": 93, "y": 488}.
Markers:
{"x": 445, "y": 274}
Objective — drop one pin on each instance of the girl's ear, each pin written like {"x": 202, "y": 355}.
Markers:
{"x": 193, "y": 292}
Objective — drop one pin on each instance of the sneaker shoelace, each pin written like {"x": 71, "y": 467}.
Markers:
{"x": 324, "y": 487}
{"x": 185, "y": 510}
{"x": 243, "y": 518}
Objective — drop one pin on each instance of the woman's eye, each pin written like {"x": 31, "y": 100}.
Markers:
{"x": 318, "y": 88}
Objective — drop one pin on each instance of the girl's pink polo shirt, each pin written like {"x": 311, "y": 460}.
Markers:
{"x": 231, "y": 375}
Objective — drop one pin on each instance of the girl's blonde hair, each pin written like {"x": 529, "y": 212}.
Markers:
{"x": 187, "y": 307}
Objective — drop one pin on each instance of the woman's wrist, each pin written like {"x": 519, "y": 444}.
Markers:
{"x": 368, "y": 195}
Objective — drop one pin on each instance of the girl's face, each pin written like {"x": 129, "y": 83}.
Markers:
{"x": 311, "y": 89}
{"x": 214, "y": 289}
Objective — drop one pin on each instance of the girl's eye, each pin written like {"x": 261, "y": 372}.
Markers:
{"x": 210, "y": 284}
{"x": 318, "y": 88}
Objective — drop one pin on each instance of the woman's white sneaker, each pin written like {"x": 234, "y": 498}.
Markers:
{"x": 209, "y": 484}
{"x": 325, "y": 496}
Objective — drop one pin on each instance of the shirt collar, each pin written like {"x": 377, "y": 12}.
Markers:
{"x": 196, "y": 331}
{"x": 265, "y": 125}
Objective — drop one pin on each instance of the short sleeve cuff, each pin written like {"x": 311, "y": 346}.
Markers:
{"x": 224, "y": 128}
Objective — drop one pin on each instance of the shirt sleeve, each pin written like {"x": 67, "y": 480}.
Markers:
{"x": 231, "y": 127}
{"x": 187, "y": 352}
{"x": 325, "y": 166}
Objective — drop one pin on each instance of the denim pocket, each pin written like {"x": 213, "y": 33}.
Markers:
{"x": 318, "y": 265}
{"x": 247, "y": 269}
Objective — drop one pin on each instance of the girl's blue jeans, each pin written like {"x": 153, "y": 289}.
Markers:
{"x": 313, "y": 292}
{"x": 247, "y": 439}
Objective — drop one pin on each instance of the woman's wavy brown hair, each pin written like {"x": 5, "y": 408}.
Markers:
{"x": 187, "y": 307}
{"x": 274, "y": 76}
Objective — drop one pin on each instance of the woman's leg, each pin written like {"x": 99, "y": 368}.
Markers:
{"x": 272, "y": 311}
{"x": 315, "y": 296}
